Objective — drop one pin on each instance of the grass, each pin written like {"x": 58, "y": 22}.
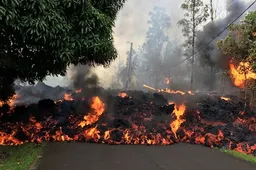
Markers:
{"x": 243, "y": 156}
{"x": 19, "y": 157}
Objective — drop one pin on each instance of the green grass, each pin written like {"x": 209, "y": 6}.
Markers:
{"x": 243, "y": 156}
{"x": 19, "y": 157}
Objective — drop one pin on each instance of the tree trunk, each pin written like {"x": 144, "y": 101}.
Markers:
{"x": 193, "y": 46}
{"x": 211, "y": 11}
{"x": 129, "y": 69}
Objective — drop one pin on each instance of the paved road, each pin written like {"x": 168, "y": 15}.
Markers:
{"x": 81, "y": 156}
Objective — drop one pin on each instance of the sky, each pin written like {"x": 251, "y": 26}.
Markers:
{"x": 131, "y": 26}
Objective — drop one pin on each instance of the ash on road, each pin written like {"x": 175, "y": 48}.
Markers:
{"x": 82, "y": 156}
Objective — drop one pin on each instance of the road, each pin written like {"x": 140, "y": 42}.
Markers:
{"x": 82, "y": 156}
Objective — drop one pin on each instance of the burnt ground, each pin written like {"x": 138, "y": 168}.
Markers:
{"x": 81, "y": 156}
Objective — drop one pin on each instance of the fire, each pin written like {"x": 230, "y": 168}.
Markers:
{"x": 151, "y": 88}
{"x": 78, "y": 91}
{"x": 225, "y": 98}
{"x": 179, "y": 112}
{"x": 11, "y": 101}
{"x": 241, "y": 73}
{"x": 98, "y": 107}
{"x": 168, "y": 80}
{"x": 123, "y": 94}
{"x": 68, "y": 97}
{"x": 135, "y": 121}
{"x": 168, "y": 90}
{"x": 191, "y": 93}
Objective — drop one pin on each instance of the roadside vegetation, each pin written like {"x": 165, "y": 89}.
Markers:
{"x": 19, "y": 157}
{"x": 243, "y": 156}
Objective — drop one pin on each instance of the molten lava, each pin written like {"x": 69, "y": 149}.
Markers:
{"x": 68, "y": 97}
{"x": 210, "y": 121}
{"x": 98, "y": 108}
{"x": 122, "y": 94}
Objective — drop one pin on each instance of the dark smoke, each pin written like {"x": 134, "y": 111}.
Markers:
{"x": 211, "y": 54}
{"x": 210, "y": 58}
{"x": 82, "y": 78}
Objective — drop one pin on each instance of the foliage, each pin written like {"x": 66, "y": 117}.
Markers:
{"x": 156, "y": 38}
{"x": 172, "y": 56}
{"x": 196, "y": 13}
{"x": 40, "y": 38}
{"x": 20, "y": 157}
{"x": 240, "y": 43}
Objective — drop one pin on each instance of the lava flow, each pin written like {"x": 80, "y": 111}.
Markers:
{"x": 134, "y": 118}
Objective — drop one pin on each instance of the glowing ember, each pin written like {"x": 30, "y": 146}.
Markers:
{"x": 191, "y": 93}
{"x": 151, "y": 88}
{"x": 78, "y": 91}
{"x": 68, "y": 97}
{"x": 122, "y": 94}
{"x": 241, "y": 73}
{"x": 168, "y": 90}
{"x": 11, "y": 101}
{"x": 98, "y": 108}
{"x": 179, "y": 111}
{"x": 225, "y": 98}
{"x": 168, "y": 80}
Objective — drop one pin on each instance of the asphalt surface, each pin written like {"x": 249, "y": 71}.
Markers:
{"x": 82, "y": 156}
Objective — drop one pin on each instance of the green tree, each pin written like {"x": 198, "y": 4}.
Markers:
{"x": 240, "y": 43}
{"x": 40, "y": 38}
{"x": 159, "y": 22}
{"x": 240, "y": 46}
{"x": 196, "y": 12}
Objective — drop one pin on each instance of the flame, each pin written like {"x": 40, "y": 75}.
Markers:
{"x": 78, "y": 91}
{"x": 241, "y": 73}
{"x": 11, "y": 101}
{"x": 151, "y": 88}
{"x": 160, "y": 133}
{"x": 122, "y": 94}
{"x": 68, "y": 97}
{"x": 168, "y": 90}
{"x": 178, "y": 111}
{"x": 168, "y": 80}
{"x": 225, "y": 98}
{"x": 98, "y": 107}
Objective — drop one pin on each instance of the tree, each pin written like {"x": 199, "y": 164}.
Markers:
{"x": 124, "y": 70}
{"x": 156, "y": 38}
{"x": 196, "y": 12}
{"x": 40, "y": 38}
{"x": 240, "y": 46}
{"x": 240, "y": 43}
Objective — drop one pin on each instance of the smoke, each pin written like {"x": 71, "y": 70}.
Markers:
{"x": 210, "y": 57}
{"x": 83, "y": 78}
{"x": 131, "y": 26}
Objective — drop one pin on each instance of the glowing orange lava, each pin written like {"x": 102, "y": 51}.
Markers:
{"x": 98, "y": 107}
{"x": 68, "y": 97}
{"x": 122, "y": 94}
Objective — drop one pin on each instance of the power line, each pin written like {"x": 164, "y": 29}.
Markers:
{"x": 216, "y": 35}
{"x": 228, "y": 5}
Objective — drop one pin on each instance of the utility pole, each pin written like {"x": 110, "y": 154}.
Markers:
{"x": 211, "y": 10}
{"x": 193, "y": 44}
{"x": 129, "y": 68}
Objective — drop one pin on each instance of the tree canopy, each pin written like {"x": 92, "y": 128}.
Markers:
{"x": 40, "y": 38}
{"x": 240, "y": 44}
